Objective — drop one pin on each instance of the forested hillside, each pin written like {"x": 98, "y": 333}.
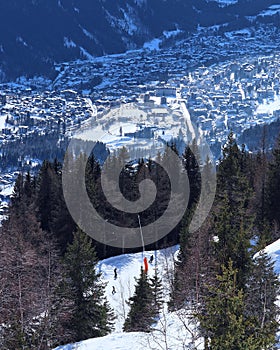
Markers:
{"x": 52, "y": 293}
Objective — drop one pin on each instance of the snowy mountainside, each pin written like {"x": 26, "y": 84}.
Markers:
{"x": 36, "y": 34}
{"x": 170, "y": 332}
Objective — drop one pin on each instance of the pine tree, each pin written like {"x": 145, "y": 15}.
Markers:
{"x": 194, "y": 260}
{"x": 178, "y": 296}
{"x": 52, "y": 210}
{"x": 261, "y": 294}
{"x": 191, "y": 164}
{"x": 157, "y": 292}
{"x": 273, "y": 188}
{"x": 46, "y": 196}
{"x": 222, "y": 320}
{"x": 17, "y": 191}
{"x": 233, "y": 241}
{"x": 233, "y": 221}
{"x": 141, "y": 316}
{"x": 86, "y": 312}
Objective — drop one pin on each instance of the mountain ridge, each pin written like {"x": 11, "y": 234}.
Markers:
{"x": 35, "y": 34}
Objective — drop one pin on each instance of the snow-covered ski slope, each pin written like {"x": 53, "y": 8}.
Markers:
{"x": 170, "y": 332}
{"x": 128, "y": 268}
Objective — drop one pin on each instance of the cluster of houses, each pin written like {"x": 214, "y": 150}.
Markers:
{"x": 23, "y": 113}
{"x": 229, "y": 80}
{"x": 233, "y": 96}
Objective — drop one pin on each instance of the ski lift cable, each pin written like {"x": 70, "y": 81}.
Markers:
{"x": 142, "y": 238}
{"x": 143, "y": 245}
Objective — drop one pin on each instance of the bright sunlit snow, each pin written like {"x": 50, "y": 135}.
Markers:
{"x": 169, "y": 329}
{"x": 273, "y": 250}
{"x": 170, "y": 332}
{"x": 269, "y": 106}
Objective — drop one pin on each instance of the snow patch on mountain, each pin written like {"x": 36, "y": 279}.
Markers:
{"x": 251, "y": 19}
{"x": 127, "y": 23}
{"x": 224, "y": 3}
{"x": 152, "y": 45}
{"x": 86, "y": 54}
{"x": 87, "y": 33}
{"x": 69, "y": 43}
{"x": 171, "y": 33}
{"x": 20, "y": 40}
{"x": 271, "y": 11}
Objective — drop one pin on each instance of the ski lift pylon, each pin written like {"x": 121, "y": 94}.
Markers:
{"x": 146, "y": 265}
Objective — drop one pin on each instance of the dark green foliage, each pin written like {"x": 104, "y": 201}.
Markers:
{"x": 273, "y": 188}
{"x": 222, "y": 319}
{"x": 232, "y": 176}
{"x": 157, "y": 292}
{"x": 238, "y": 310}
{"x": 233, "y": 240}
{"x": 86, "y": 313}
{"x": 232, "y": 216}
{"x": 178, "y": 292}
{"x": 235, "y": 319}
{"x": 143, "y": 306}
{"x": 47, "y": 194}
{"x": 191, "y": 164}
{"x": 52, "y": 210}
{"x": 185, "y": 237}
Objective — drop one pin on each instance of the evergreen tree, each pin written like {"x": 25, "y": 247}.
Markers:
{"x": 86, "y": 312}
{"x": 195, "y": 259}
{"x": 233, "y": 220}
{"x": 52, "y": 210}
{"x": 222, "y": 320}
{"x": 17, "y": 191}
{"x": 261, "y": 294}
{"x": 273, "y": 189}
{"x": 232, "y": 241}
{"x": 178, "y": 296}
{"x": 47, "y": 194}
{"x": 191, "y": 164}
{"x": 157, "y": 292}
{"x": 141, "y": 315}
